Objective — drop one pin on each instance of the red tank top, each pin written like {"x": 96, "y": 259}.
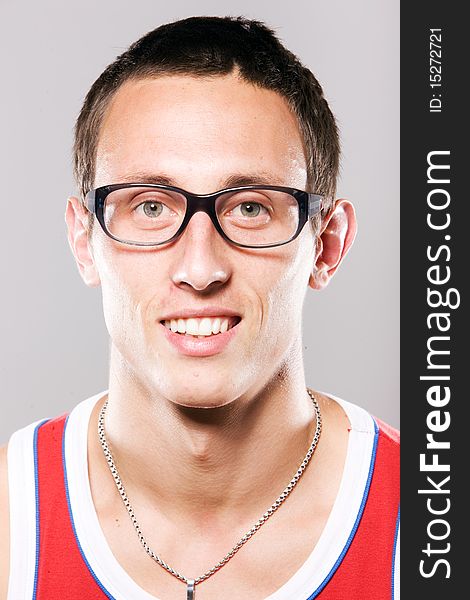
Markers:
{"x": 363, "y": 570}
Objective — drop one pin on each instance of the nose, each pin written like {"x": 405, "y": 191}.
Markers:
{"x": 201, "y": 258}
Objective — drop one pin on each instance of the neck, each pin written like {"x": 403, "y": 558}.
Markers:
{"x": 201, "y": 462}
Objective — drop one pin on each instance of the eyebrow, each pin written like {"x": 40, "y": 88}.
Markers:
{"x": 234, "y": 180}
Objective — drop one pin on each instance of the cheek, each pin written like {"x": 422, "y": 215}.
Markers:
{"x": 284, "y": 284}
{"x": 289, "y": 288}
{"x": 127, "y": 288}
{"x": 120, "y": 310}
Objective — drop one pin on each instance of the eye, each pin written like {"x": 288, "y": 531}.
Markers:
{"x": 150, "y": 209}
{"x": 249, "y": 209}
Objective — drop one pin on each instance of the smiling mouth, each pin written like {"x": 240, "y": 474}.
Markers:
{"x": 201, "y": 327}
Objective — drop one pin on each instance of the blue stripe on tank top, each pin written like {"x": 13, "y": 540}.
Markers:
{"x": 93, "y": 574}
{"x": 357, "y": 521}
{"x": 36, "y": 495}
{"x": 394, "y": 553}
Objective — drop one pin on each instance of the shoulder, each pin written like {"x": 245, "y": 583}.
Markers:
{"x": 17, "y": 497}
{"x": 16, "y": 469}
{"x": 4, "y": 524}
{"x": 384, "y": 440}
{"x": 362, "y": 421}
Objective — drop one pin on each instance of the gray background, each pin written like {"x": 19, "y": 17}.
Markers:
{"x": 54, "y": 346}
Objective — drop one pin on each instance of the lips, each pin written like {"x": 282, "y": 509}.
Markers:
{"x": 201, "y": 344}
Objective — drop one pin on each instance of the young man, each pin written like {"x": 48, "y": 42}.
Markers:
{"x": 206, "y": 158}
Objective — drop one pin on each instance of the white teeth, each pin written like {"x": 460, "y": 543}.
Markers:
{"x": 192, "y": 327}
{"x": 199, "y": 327}
{"x": 216, "y": 325}
{"x": 205, "y": 327}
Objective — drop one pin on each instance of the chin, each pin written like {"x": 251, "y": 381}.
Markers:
{"x": 203, "y": 405}
{"x": 202, "y": 394}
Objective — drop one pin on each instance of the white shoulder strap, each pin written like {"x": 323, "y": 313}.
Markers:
{"x": 22, "y": 496}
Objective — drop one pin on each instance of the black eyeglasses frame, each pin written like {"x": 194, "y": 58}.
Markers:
{"x": 309, "y": 204}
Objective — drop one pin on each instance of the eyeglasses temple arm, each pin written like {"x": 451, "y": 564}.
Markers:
{"x": 315, "y": 204}
{"x": 90, "y": 201}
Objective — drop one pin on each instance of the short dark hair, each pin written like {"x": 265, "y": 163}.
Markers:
{"x": 212, "y": 46}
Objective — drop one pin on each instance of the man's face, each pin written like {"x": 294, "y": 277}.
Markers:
{"x": 202, "y": 134}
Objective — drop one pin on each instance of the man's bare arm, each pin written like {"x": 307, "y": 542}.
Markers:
{"x": 4, "y": 525}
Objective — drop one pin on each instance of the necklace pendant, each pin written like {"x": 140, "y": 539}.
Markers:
{"x": 191, "y": 590}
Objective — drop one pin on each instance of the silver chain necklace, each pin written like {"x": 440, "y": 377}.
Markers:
{"x": 191, "y": 583}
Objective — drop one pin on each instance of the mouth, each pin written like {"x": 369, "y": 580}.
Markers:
{"x": 201, "y": 327}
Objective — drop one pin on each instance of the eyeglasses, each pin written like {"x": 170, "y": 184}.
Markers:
{"x": 252, "y": 216}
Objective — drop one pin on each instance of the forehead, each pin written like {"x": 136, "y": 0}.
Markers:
{"x": 199, "y": 128}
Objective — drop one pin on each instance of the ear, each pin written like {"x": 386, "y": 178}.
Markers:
{"x": 336, "y": 237}
{"x": 76, "y": 217}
